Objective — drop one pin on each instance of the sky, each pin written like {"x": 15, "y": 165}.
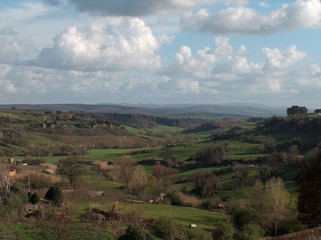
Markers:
{"x": 161, "y": 52}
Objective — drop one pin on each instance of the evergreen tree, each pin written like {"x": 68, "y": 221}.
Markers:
{"x": 34, "y": 199}
{"x": 55, "y": 195}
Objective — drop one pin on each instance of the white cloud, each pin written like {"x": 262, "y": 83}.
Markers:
{"x": 87, "y": 57}
{"x": 36, "y": 84}
{"x": 277, "y": 59}
{"x": 10, "y": 87}
{"x": 4, "y": 70}
{"x": 264, "y": 4}
{"x": 4, "y": 83}
{"x": 311, "y": 76}
{"x": 7, "y": 87}
{"x": 188, "y": 87}
{"x": 15, "y": 50}
{"x": 165, "y": 38}
{"x": 223, "y": 68}
{"x": 244, "y": 20}
{"x": 26, "y": 11}
{"x": 8, "y": 31}
{"x": 222, "y": 62}
{"x": 108, "y": 43}
{"x": 274, "y": 85}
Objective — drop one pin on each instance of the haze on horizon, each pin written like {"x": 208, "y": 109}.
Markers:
{"x": 160, "y": 51}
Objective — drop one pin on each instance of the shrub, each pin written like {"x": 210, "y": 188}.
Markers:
{"x": 223, "y": 231}
{"x": 134, "y": 232}
{"x": 12, "y": 205}
{"x": 198, "y": 234}
{"x": 245, "y": 216}
{"x": 174, "y": 198}
{"x": 102, "y": 165}
{"x": 39, "y": 180}
{"x": 189, "y": 201}
{"x": 181, "y": 199}
{"x": 165, "y": 228}
{"x": 55, "y": 195}
{"x": 290, "y": 226}
{"x": 34, "y": 199}
{"x": 252, "y": 231}
{"x": 215, "y": 204}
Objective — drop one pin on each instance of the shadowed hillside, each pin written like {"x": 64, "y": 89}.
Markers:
{"x": 201, "y": 111}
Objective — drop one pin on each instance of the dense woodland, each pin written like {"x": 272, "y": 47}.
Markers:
{"x": 81, "y": 175}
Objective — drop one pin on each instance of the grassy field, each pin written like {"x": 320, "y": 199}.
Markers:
{"x": 77, "y": 231}
{"x": 181, "y": 215}
{"x": 242, "y": 150}
{"x": 9, "y": 115}
{"x": 168, "y": 129}
{"x": 106, "y": 154}
{"x": 144, "y": 145}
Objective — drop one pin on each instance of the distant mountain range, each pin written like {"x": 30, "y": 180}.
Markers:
{"x": 170, "y": 110}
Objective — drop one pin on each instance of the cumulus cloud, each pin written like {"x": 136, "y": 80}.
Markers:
{"x": 277, "y": 59}
{"x": 5, "y": 85}
{"x": 26, "y": 11}
{"x": 108, "y": 43}
{"x": 244, "y": 20}
{"x": 8, "y": 31}
{"x": 36, "y": 84}
{"x": 136, "y": 8}
{"x": 211, "y": 71}
{"x": 223, "y": 68}
{"x": 165, "y": 38}
{"x": 311, "y": 76}
{"x": 188, "y": 87}
{"x": 15, "y": 50}
{"x": 222, "y": 62}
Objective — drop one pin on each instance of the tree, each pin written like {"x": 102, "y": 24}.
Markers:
{"x": 70, "y": 169}
{"x": 277, "y": 199}
{"x": 212, "y": 154}
{"x": 34, "y": 199}
{"x": 241, "y": 173}
{"x": 165, "y": 176}
{"x": 317, "y": 111}
{"x": 126, "y": 170}
{"x": 55, "y": 195}
{"x": 265, "y": 173}
{"x": 165, "y": 228}
{"x": 296, "y": 110}
{"x": 245, "y": 216}
{"x": 139, "y": 180}
{"x": 171, "y": 159}
{"x": 252, "y": 231}
{"x": 309, "y": 188}
{"x": 223, "y": 231}
{"x": 205, "y": 183}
